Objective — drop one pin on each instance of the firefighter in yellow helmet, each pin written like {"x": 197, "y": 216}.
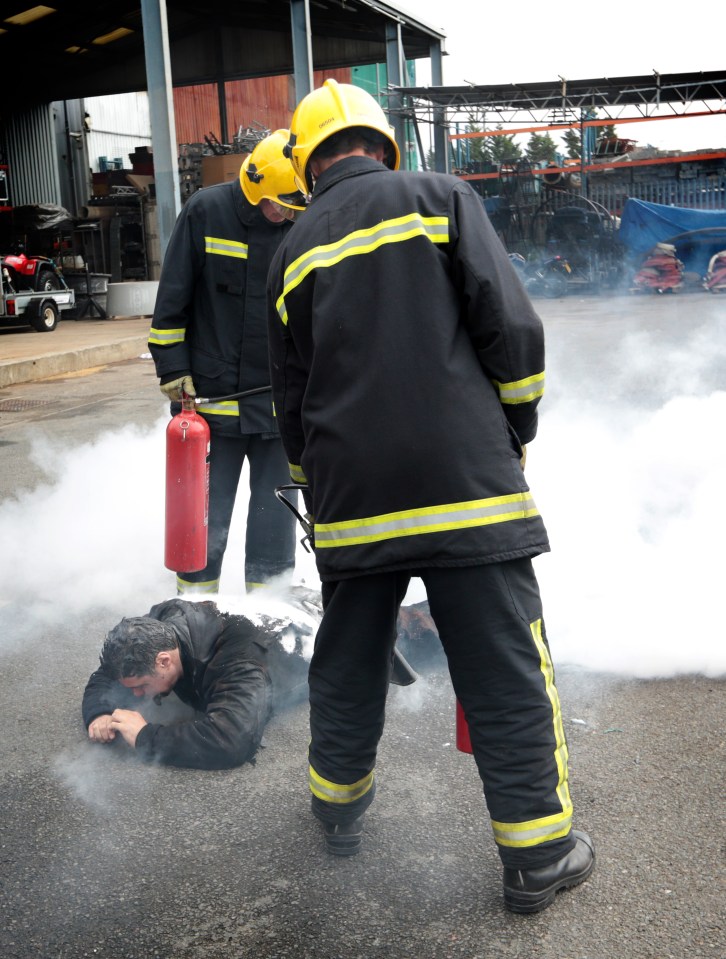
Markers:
{"x": 330, "y": 110}
{"x": 407, "y": 365}
{"x": 266, "y": 174}
{"x": 209, "y": 338}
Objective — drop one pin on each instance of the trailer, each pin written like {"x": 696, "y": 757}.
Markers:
{"x": 39, "y": 309}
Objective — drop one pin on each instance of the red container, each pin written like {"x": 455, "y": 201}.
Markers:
{"x": 463, "y": 740}
{"x": 187, "y": 491}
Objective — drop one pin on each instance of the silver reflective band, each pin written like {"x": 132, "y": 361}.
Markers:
{"x": 227, "y": 408}
{"x": 296, "y": 473}
{"x": 521, "y": 391}
{"x": 434, "y": 228}
{"x": 215, "y": 244}
{"x": 165, "y": 337}
{"x": 534, "y": 833}
{"x": 430, "y": 519}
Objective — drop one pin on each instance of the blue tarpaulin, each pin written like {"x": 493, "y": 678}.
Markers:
{"x": 696, "y": 234}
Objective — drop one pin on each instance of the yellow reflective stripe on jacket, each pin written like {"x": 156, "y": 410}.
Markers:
{"x": 166, "y": 337}
{"x": 296, "y": 473}
{"x": 521, "y": 391}
{"x": 549, "y": 827}
{"x": 427, "y": 519}
{"x": 334, "y": 792}
{"x": 226, "y": 408}
{"x": 215, "y": 244}
{"x": 435, "y": 228}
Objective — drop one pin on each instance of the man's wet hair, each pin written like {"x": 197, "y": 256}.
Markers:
{"x": 131, "y": 647}
{"x": 350, "y": 139}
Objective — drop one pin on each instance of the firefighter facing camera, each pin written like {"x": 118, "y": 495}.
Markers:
{"x": 407, "y": 365}
{"x": 208, "y": 340}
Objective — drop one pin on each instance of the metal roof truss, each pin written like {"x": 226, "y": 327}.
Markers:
{"x": 614, "y": 99}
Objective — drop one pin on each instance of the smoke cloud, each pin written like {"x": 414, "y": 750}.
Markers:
{"x": 634, "y": 580}
{"x": 91, "y": 535}
{"x": 627, "y": 471}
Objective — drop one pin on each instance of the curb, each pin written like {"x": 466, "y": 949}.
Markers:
{"x": 13, "y": 372}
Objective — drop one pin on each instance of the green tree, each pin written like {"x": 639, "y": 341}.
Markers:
{"x": 541, "y": 148}
{"x": 573, "y": 144}
{"x": 502, "y": 149}
{"x": 474, "y": 148}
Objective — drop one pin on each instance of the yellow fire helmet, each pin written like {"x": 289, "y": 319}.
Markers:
{"x": 267, "y": 174}
{"x": 327, "y": 110}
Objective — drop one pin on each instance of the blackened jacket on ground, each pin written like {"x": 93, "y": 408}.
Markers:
{"x": 230, "y": 666}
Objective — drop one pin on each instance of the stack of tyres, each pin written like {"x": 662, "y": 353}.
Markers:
{"x": 715, "y": 279}
{"x": 661, "y": 271}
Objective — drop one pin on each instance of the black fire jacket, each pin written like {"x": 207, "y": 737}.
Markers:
{"x": 229, "y": 667}
{"x": 407, "y": 363}
{"x": 210, "y": 313}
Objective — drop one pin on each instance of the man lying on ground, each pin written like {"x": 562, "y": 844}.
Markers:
{"x": 234, "y": 672}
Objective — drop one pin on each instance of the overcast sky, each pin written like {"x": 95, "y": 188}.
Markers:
{"x": 530, "y": 41}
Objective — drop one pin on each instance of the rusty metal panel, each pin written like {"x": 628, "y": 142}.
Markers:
{"x": 268, "y": 102}
{"x": 196, "y": 112}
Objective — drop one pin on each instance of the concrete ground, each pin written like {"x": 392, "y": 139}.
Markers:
{"x": 102, "y": 856}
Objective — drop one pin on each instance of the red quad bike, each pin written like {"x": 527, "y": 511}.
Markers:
{"x": 33, "y": 291}
{"x": 37, "y": 273}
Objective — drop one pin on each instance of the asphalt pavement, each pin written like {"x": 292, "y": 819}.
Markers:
{"x": 104, "y": 856}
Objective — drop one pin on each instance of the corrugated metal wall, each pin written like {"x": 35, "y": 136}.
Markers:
{"x": 33, "y": 174}
{"x": 118, "y": 125}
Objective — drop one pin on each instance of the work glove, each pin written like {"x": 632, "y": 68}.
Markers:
{"x": 173, "y": 389}
{"x": 523, "y": 459}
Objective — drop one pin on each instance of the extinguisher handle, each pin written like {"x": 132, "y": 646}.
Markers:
{"x": 309, "y": 536}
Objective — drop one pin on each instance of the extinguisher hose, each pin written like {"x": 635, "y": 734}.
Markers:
{"x": 232, "y": 396}
{"x": 306, "y": 525}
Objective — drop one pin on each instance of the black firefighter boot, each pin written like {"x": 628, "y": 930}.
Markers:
{"x": 530, "y": 890}
{"x": 344, "y": 839}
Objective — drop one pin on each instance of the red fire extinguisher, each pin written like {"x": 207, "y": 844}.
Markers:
{"x": 463, "y": 740}
{"x": 187, "y": 490}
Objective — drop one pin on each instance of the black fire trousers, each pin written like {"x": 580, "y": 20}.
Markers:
{"x": 270, "y": 538}
{"x": 489, "y": 619}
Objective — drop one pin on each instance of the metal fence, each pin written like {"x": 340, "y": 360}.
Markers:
{"x": 699, "y": 193}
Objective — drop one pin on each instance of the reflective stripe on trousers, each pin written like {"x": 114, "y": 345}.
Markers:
{"x": 489, "y": 620}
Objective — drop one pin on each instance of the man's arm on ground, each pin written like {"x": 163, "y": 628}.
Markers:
{"x": 101, "y": 696}
{"x": 238, "y": 700}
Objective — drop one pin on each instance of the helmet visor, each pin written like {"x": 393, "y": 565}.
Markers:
{"x": 296, "y": 200}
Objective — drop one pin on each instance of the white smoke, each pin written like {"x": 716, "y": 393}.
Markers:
{"x": 634, "y": 580}
{"x": 91, "y": 535}
{"x": 627, "y": 471}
